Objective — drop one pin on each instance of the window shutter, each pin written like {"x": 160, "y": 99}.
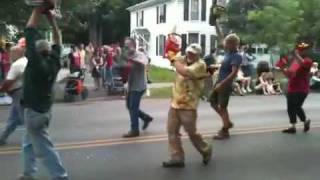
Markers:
{"x": 184, "y": 43}
{"x": 163, "y": 42}
{"x": 157, "y": 14}
{"x": 186, "y": 10}
{"x": 157, "y": 46}
{"x": 142, "y": 18}
{"x": 165, "y": 13}
{"x": 203, "y": 10}
{"x": 203, "y": 43}
{"x": 137, "y": 19}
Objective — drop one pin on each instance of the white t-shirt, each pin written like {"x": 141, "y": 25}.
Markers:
{"x": 62, "y": 75}
{"x": 16, "y": 72}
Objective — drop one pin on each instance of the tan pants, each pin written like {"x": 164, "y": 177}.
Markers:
{"x": 187, "y": 119}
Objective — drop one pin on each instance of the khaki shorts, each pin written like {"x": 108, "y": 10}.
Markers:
{"x": 220, "y": 99}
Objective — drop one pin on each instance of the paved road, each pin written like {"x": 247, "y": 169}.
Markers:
{"x": 87, "y": 135}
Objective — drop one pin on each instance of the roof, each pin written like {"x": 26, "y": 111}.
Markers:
{"x": 146, "y": 4}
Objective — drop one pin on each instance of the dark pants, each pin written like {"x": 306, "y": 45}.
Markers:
{"x": 294, "y": 104}
{"x": 133, "y": 105}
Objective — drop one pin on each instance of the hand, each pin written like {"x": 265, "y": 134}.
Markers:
{"x": 211, "y": 70}
{"x": 50, "y": 16}
{"x": 217, "y": 88}
{"x": 171, "y": 55}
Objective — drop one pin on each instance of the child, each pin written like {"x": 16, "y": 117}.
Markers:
{"x": 262, "y": 84}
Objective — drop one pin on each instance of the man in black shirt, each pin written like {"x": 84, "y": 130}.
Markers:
{"x": 40, "y": 74}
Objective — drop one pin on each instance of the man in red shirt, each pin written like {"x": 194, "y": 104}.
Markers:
{"x": 298, "y": 74}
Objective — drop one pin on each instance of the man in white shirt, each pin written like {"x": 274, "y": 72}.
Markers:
{"x": 13, "y": 86}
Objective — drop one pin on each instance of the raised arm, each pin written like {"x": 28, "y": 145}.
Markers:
{"x": 56, "y": 31}
{"x": 34, "y": 18}
{"x": 32, "y": 35}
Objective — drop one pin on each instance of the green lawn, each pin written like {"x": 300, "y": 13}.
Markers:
{"x": 160, "y": 75}
{"x": 161, "y": 93}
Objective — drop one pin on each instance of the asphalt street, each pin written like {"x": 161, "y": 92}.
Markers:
{"x": 88, "y": 136}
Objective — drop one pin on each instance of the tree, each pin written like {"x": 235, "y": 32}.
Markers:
{"x": 106, "y": 20}
{"x": 236, "y": 19}
{"x": 274, "y": 22}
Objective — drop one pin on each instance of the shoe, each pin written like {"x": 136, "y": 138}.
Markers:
{"x": 307, "y": 126}
{"x": 207, "y": 156}
{"x": 244, "y": 90}
{"x": 24, "y": 177}
{"x": 173, "y": 164}
{"x": 222, "y": 134}
{"x": 249, "y": 90}
{"x": 131, "y": 134}
{"x": 231, "y": 125}
{"x": 146, "y": 123}
{"x": 290, "y": 130}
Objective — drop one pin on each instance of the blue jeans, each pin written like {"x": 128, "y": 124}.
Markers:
{"x": 16, "y": 115}
{"x": 37, "y": 144}
{"x": 108, "y": 79}
{"x": 133, "y": 105}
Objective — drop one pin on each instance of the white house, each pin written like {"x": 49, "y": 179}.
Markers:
{"x": 153, "y": 20}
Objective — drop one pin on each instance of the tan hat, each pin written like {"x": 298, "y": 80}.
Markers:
{"x": 194, "y": 49}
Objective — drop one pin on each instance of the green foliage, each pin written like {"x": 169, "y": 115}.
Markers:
{"x": 236, "y": 18}
{"x": 79, "y": 17}
{"x": 274, "y": 22}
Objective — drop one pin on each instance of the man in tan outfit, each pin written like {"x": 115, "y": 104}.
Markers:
{"x": 187, "y": 90}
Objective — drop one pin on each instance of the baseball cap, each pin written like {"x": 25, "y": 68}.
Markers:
{"x": 303, "y": 45}
{"x": 194, "y": 49}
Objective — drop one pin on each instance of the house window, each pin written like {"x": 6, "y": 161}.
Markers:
{"x": 193, "y": 38}
{"x": 194, "y": 10}
{"x": 140, "y": 18}
{"x": 260, "y": 50}
{"x": 161, "y": 14}
{"x": 161, "y": 40}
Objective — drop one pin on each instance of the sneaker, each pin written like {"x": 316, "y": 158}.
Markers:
{"x": 146, "y": 123}
{"x": 131, "y": 134}
{"x": 24, "y": 177}
{"x": 307, "y": 126}
{"x": 222, "y": 134}
{"x": 249, "y": 90}
{"x": 290, "y": 130}
{"x": 231, "y": 125}
{"x": 207, "y": 156}
{"x": 244, "y": 90}
{"x": 173, "y": 164}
